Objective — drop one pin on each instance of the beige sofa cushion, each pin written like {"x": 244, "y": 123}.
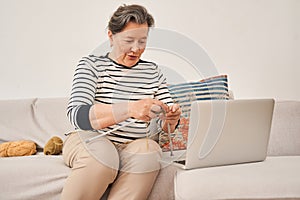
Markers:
{"x": 285, "y": 130}
{"x": 33, "y": 119}
{"x": 276, "y": 178}
{"x": 32, "y": 177}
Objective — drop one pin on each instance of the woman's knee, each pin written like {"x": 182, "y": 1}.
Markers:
{"x": 141, "y": 156}
{"x": 101, "y": 149}
{"x": 144, "y": 145}
{"x": 92, "y": 171}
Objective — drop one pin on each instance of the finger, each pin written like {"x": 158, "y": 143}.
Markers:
{"x": 176, "y": 113}
{"x": 175, "y": 107}
{"x": 152, "y": 115}
{"x": 161, "y": 104}
{"x": 173, "y": 116}
{"x": 156, "y": 109}
{"x": 146, "y": 118}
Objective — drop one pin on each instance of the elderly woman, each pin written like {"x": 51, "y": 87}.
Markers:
{"x": 117, "y": 93}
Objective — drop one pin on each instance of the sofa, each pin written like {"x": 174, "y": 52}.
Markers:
{"x": 42, "y": 176}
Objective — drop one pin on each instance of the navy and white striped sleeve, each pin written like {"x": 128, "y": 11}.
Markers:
{"x": 82, "y": 94}
{"x": 163, "y": 93}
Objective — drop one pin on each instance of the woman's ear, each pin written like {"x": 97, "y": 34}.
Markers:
{"x": 110, "y": 36}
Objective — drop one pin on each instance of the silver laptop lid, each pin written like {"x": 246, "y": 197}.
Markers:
{"x": 228, "y": 132}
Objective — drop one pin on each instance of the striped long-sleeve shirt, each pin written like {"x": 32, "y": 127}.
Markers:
{"x": 98, "y": 79}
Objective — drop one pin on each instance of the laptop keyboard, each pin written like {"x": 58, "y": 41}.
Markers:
{"x": 180, "y": 162}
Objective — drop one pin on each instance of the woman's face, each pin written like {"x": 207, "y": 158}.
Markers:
{"x": 129, "y": 44}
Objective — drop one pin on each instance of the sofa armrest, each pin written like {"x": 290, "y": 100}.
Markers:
{"x": 285, "y": 130}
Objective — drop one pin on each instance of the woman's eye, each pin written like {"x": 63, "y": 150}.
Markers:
{"x": 129, "y": 41}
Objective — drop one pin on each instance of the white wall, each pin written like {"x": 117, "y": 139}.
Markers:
{"x": 255, "y": 42}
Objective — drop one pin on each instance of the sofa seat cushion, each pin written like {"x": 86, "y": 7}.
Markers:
{"x": 275, "y": 178}
{"x": 32, "y": 177}
{"x": 43, "y": 177}
{"x": 163, "y": 188}
{"x": 285, "y": 131}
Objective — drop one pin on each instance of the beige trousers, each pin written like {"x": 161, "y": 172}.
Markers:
{"x": 129, "y": 169}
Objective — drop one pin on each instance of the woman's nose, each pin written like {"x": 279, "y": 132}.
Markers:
{"x": 135, "y": 47}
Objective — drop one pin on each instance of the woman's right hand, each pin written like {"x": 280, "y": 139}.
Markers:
{"x": 146, "y": 109}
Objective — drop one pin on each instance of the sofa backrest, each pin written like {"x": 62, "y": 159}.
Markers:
{"x": 39, "y": 119}
{"x": 285, "y": 130}
{"x": 35, "y": 119}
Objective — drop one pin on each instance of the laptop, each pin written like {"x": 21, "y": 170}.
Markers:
{"x": 225, "y": 132}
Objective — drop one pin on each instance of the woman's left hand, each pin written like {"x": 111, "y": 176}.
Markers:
{"x": 172, "y": 117}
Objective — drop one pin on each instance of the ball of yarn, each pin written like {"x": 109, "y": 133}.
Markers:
{"x": 53, "y": 146}
{"x": 17, "y": 148}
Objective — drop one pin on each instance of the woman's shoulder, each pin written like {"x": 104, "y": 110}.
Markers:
{"x": 95, "y": 58}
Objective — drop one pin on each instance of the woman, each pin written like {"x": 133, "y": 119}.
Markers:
{"x": 119, "y": 92}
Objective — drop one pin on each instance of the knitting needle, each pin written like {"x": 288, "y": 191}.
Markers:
{"x": 170, "y": 139}
{"x": 126, "y": 124}
{"x": 107, "y": 132}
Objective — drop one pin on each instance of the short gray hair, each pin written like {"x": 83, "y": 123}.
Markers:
{"x": 129, "y": 13}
